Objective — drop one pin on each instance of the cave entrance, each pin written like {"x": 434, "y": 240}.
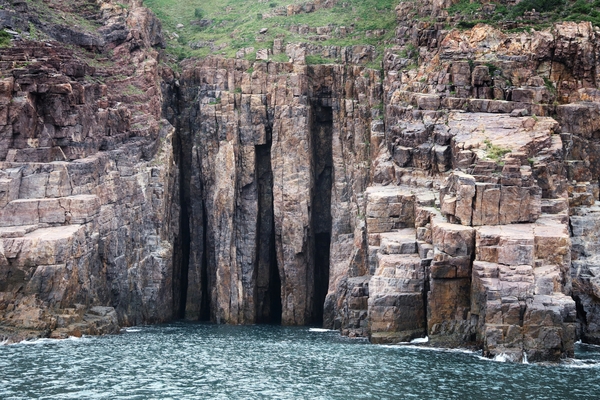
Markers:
{"x": 181, "y": 255}
{"x": 322, "y": 163}
{"x": 268, "y": 282}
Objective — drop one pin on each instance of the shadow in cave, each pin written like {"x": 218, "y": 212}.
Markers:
{"x": 322, "y": 164}
{"x": 268, "y": 282}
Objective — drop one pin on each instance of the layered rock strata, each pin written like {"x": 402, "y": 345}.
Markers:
{"x": 89, "y": 208}
{"x": 451, "y": 195}
{"x": 265, "y": 140}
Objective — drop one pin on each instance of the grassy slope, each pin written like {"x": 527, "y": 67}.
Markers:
{"x": 236, "y": 23}
{"x": 552, "y": 11}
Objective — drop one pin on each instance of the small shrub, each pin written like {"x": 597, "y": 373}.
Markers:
{"x": 465, "y": 7}
{"x": 471, "y": 64}
{"x": 199, "y": 13}
{"x": 410, "y": 51}
{"x": 550, "y": 85}
{"x": 315, "y": 60}
{"x": 182, "y": 53}
{"x": 581, "y": 7}
{"x": 133, "y": 90}
{"x": 281, "y": 57}
{"x": 493, "y": 69}
{"x": 538, "y": 5}
{"x": 4, "y": 38}
{"x": 495, "y": 152}
{"x": 467, "y": 24}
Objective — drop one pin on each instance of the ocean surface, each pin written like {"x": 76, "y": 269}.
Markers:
{"x": 202, "y": 361}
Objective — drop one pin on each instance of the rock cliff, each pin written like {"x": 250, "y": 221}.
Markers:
{"x": 89, "y": 205}
{"x": 453, "y": 193}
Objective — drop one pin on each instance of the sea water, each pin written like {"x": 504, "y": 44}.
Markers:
{"x": 203, "y": 361}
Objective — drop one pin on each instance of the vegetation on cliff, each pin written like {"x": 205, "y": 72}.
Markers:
{"x": 527, "y": 14}
{"x": 224, "y": 27}
{"x": 199, "y": 28}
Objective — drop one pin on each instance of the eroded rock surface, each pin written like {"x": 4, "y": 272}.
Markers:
{"x": 452, "y": 194}
{"x": 89, "y": 209}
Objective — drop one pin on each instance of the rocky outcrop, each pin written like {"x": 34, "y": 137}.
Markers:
{"x": 451, "y": 195}
{"x": 89, "y": 186}
{"x": 266, "y": 138}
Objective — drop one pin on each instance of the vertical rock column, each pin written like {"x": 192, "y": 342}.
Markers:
{"x": 357, "y": 131}
{"x": 448, "y": 299}
{"x": 291, "y": 155}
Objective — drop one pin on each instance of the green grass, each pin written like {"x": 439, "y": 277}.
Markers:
{"x": 551, "y": 11}
{"x": 235, "y": 24}
{"x": 133, "y": 91}
{"x": 4, "y": 38}
{"x": 464, "y": 7}
{"x": 495, "y": 152}
{"x": 312, "y": 60}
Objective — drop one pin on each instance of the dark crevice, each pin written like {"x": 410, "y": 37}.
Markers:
{"x": 184, "y": 250}
{"x": 426, "y": 289}
{"x": 268, "y": 283}
{"x": 204, "y": 286}
{"x": 581, "y": 314}
{"x": 181, "y": 252}
{"x": 581, "y": 318}
{"x": 322, "y": 243}
{"x": 322, "y": 164}
{"x": 274, "y": 285}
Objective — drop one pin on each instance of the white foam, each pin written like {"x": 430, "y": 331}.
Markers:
{"x": 51, "y": 340}
{"x": 75, "y": 338}
{"x": 410, "y": 346}
{"x": 39, "y": 341}
{"x": 501, "y": 358}
{"x": 580, "y": 364}
{"x": 589, "y": 344}
{"x": 320, "y": 330}
{"x": 131, "y": 330}
{"x": 420, "y": 340}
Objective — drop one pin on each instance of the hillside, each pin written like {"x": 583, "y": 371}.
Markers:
{"x": 199, "y": 28}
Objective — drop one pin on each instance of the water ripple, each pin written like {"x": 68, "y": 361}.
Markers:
{"x": 199, "y": 361}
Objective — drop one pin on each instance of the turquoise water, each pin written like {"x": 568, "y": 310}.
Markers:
{"x": 201, "y": 361}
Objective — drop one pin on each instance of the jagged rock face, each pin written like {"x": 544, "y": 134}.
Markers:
{"x": 455, "y": 199}
{"x": 89, "y": 187}
{"x": 262, "y": 147}
{"x": 464, "y": 232}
